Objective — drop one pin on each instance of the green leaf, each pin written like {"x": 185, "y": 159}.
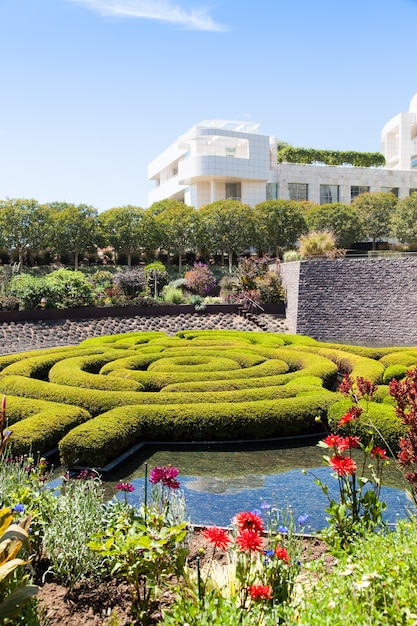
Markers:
{"x": 15, "y": 600}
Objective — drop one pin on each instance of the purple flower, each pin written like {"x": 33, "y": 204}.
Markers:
{"x": 18, "y": 508}
{"x": 125, "y": 487}
{"x": 302, "y": 519}
{"x": 257, "y": 512}
{"x": 283, "y": 529}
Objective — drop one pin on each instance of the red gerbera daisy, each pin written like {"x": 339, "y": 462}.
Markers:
{"x": 260, "y": 592}
{"x": 217, "y": 536}
{"x": 249, "y": 521}
{"x": 343, "y": 465}
{"x": 249, "y": 541}
{"x": 282, "y": 554}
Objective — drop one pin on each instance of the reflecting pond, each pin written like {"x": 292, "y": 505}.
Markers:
{"x": 217, "y": 483}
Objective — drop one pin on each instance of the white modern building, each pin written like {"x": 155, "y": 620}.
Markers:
{"x": 220, "y": 159}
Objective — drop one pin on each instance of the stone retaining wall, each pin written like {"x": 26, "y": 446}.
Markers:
{"x": 367, "y": 301}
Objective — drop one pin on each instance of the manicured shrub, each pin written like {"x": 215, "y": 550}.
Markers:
{"x": 72, "y": 372}
{"x": 99, "y": 440}
{"x": 29, "y": 290}
{"x": 382, "y": 422}
{"x": 39, "y": 366}
{"x": 396, "y": 372}
{"x": 400, "y": 358}
{"x": 42, "y": 432}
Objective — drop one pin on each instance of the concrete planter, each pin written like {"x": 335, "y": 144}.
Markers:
{"x": 124, "y": 311}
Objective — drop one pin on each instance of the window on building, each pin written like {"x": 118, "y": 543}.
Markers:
{"x": 356, "y": 190}
{"x": 272, "y": 191}
{"x": 413, "y": 190}
{"x": 329, "y": 194}
{"x": 232, "y": 191}
{"x": 393, "y": 190}
{"x": 298, "y": 191}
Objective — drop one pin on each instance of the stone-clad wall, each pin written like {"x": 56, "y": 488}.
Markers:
{"x": 367, "y": 301}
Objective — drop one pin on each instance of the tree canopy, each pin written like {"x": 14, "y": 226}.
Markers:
{"x": 376, "y": 210}
{"x": 343, "y": 220}
{"x": 280, "y": 223}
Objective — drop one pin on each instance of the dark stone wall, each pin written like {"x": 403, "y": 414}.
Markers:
{"x": 369, "y": 301}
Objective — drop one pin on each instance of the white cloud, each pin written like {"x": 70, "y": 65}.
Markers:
{"x": 163, "y": 10}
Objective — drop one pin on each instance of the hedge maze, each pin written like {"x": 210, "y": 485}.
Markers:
{"x": 96, "y": 400}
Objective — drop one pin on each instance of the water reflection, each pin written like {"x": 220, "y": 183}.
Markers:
{"x": 219, "y": 483}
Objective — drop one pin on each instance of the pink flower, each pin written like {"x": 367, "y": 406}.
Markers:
{"x": 166, "y": 475}
{"x": 126, "y": 487}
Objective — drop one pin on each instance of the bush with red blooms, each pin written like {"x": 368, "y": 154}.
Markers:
{"x": 262, "y": 556}
{"x": 358, "y": 468}
{"x": 405, "y": 394}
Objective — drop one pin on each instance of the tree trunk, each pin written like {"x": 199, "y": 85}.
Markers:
{"x": 76, "y": 259}
{"x": 230, "y": 261}
{"x": 179, "y": 263}
{"x": 129, "y": 260}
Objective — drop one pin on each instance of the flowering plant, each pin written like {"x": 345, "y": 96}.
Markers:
{"x": 200, "y": 279}
{"x": 405, "y": 394}
{"x": 261, "y": 561}
{"x": 358, "y": 508}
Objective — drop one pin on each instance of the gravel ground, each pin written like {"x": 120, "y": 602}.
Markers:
{"x": 23, "y": 336}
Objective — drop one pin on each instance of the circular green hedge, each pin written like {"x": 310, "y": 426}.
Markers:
{"x": 96, "y": 400}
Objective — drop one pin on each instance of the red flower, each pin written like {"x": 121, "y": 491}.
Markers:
{"x": 351, "y": 415}
{"x": 260, "y": 592}
{"x": 332, "y": 441}
{"x": 365, "y": 387}
{"x": 249, "y": 541}
{"x": 379, "y": 452}
{"x": 248, "y": 521}
{"x": 346, "y": 385}
{"x": 343, "y": 465}
{"x": 347, "y": 443}
{"x": 217, "y": 536}
{"x": 282, "y": 554}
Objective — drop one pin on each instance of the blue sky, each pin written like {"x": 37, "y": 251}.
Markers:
{"x": 92, "y": 90}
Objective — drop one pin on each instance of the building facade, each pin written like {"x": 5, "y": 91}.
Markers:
{"x": 220, "y": 159}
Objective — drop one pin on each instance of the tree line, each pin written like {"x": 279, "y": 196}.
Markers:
{"x": 228, "y": 227}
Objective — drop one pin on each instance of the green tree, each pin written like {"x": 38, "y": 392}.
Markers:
{"x": 279, "y": 223}
{"x": 376, "y": 210}
{"x": 24, "y": 224}
{"x": 176, "y": 224}
{"x": 229, "y": 226}
{"x": 343, "y": 220}
{"x": 121, "y": 228}
{"x": 404, "y": 220}
{"x": 76, "y": 229}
